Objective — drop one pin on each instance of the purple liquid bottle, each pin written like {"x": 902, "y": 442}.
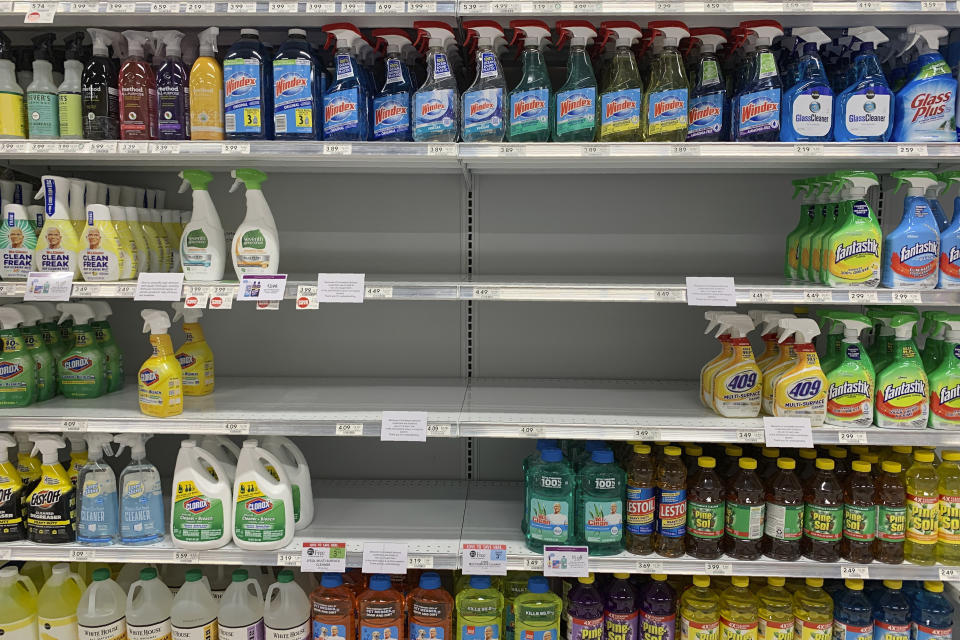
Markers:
{"x": 585, "y": 611}
{"x": 658, "y": 609}
{"x": 620, "y": 609}
{"x": 173, "y": 112}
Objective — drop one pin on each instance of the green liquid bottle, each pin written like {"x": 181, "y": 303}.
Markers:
{"x": 933, "y": 348}
{"x": 622, "y": 92}
{"x": 945, "y": 379}
{"x": 791, "y": 264}
{"x": 830, "y": 212}
{"x": 881, "y": 351}
{"x": 46, "y": 364}
{"x": 537, "y": 611}
{"x": 512, "y": 586}
{"x": 49, "y": 329}
{"x": 18, "y": 386}
{"x": 104, "y": 335}
{"x": 818, "y": 193}
{"x": 575, "y": 104}
{"x": 479, "y": 611}
{"x": 850, "y": 254}
{"x": 82, "y": 369}
{"x": 923, "y": 494}
{"x": 851, "y": 384}
{"x": 549, "y": 490}
{"x": 903, "y": 391}
{"x": 663, "y": 115}
{"x": 530, "y": 114}
{"x": 601, "y": 493}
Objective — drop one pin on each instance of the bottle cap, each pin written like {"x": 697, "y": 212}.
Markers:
{"x": 872, "y": 458}
{"x": 893, "y": 584}
{"x": 586, "y": 579}
{"x": 148, "y": 573}
{"x": 536, "y": 584}
{"x": 933, "y": 586}
{"x": 331, "y": 580}
{"x": 551, "y": 455}
{"x": 825, "y": 464}
{"x": 740, "y": 581}
{"x": 701, "y": 581}
{"x": 430, "y": 580}
{"x": 891, "y": 467}
{"x": 854, "y": 584}
{"x": 477, "y": 582}
{"x": 707, "y": 462}
{"x": 860, "y": 449}
{"x": 285, "y": 576}
{"x": 101, "y": 574}
{"x": 776, "y": 581}
{"x": 602, "y": 456}
{"x": 808, "y": 454}
{"x": 694, "y": 450}
{"x": 659, "y": 577}
{"x": 671, "y": 451}
{"x": 814, "y": 582}
{"x": 545, "y": 443}
{"x": 593, "y": 445}
{"x": 899, "y": 448}
{"x": 923, "y": 456}
{"x": 381, "y": 582}
{"x": 239, "y": 575}
{"x": 837, "y": 452}
{"x": 951, "y": 455}
{"x": 621, "y": 576}
{"x": 770, "y": 452}
{"x": 641, "y": 448}
{"x": 193, "y": 575}
{"x": 733, "y": 450}
{"x": 747, "y": 463}
{"x": 786, "y": 463}
{"x": 861, "y": 465}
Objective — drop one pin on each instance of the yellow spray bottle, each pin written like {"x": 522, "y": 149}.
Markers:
{"x": 206, "y": 90}
{"x": 737, "y": 385}
{"x": 774, "y": 369}
{"x": 710, "y": 369}
{"x": 11, "y": 502}
{"x": 103, "y": 256}
{"x": 802, "y": 390}
{"x": 160, "y": 381}
{"x": 194, "y": 355}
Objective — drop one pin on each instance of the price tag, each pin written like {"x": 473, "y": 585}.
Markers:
{"x": 167, "y": 287}
{"x": 6, "y": 553}
{"x": 349, "y": 429}
{"x": 164, "y": 7}
{"x": 321, "y": 7}
{"x": 533, "y": 564}
{"x": 854, "y": 572}
{"x": 439, "y": 149}
{"x": 283, "y": 7}
{"x": 40, "y": 13}
{"x": 503, "y": 6}
{"x": 237, "y": 428}
{"x": 906, "y": 297}
{"x": 54, "y": 286}
{"x": 510, "y": 150}
{"x": 195, "y": 298}
{"x": 378, "y": 293}
{"x": 667, "y": 295}
{"x": 852, "y": 437}
{"x": 84, "y": 7}
{"x": 340, "y": 287}
{"x": 125, "y": 290}
{"x": 85, "y": 290}
{"x": 385, "y": 557}
{"x": 750, "y": 435}
{"x": 711, "y": 292}
{"x": 165, "y": 147}
{"x": 761, "y": 295}
{"x": 911, "y": 149}
{"x": 323, "y": 557}
{"x": 132, "y": 147}
{"x": 817, "y": 295}
{"x": 669, "y": 6}
{"x": 121, "y": 7}
{"x": 13, "y": 147}
{"x": 353, "y": 6}
{"x": 288, "y": 558}
{"x": 306, "y": 297}
{"x": 421, "y": 6}
{"x": 470, "y": 7}
{"x": 788, "y": 432}
{"x": 263, "y": 288}
{"x": 390, "y": 6}
{"x": 338, "y": 148}
{"x": 808, "y": 149}
{"x": 230, "y": 148}
{"x": 566, "y": 562}
{"x": 485, "y": 293}
{"x": 647, "y": 434}
{"x": 82, "y": 555}
{"x": 933, "y": 5}
{"x": 41, "y": 147}
{"x": 717, "y": 6}
{"x": 797, "y": 6}
{"x": 73, "y": 426}
{"x": 594, "y": 150}
{"x": 101, "y": 146}
{"x": 442, "y": 430}
{"x": 420, "y": 562}
{"x": 241, "y": 7}
{"x": 718, "y": 568}
{"x": 682, "y": 149}
{"x": 868, "y": 5}
{"x": 949, "y": 574}
{"x": 403, "y": 426}
{"x": 199, "y": 7}
{"x": 483, "y": 559}
{"x": 649, "y": 566}
{"x": 8, "y": 290}
{"x": 862, "y": 297}
{"x": 186, "y": 557}
{"x": 221, "y": 297}
{"x": 530, "y": 431}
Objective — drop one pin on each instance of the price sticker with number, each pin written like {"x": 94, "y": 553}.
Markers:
{"x": 862, "y": 297}
{"x": 71, "y": 425}
{"x": 186, "y": 557}
{"x": 237, "y": 428}
{"x": 349, "y": 429}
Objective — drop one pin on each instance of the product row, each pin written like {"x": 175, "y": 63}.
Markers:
{"x": 822, "y": 506}
{"x": 624, "y": 83}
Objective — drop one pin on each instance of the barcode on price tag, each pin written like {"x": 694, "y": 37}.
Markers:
{"x": 73, "y": 426}
{"x": 186, "y": 557}
{"x": 862, "y": 297}
{"x": 855, "y": 572}
{"x": 237, "y": 428}
{"x": 647, "y": 434}
{"x": 909, "y": 297}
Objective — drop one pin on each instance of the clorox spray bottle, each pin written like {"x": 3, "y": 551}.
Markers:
{"x": 925, "y": 108}
{"x": 160, "y": 380}
{"x": 756, "y": 107}
{"x": 346, "y": 103}
{"x": 51, "y": 506}
{"x": 949, "y": 277}
{"x": 808, "y": 104}
{"x": 483, "y": 101}
{"x": 104, "y": 334}
{"x": 575, "y": 103}
{"x": 903, "y": 392}
{"x": 529, "y": 113}
{"x": 802, "y": 390}
{"x": 850, "y": 385}
{"x": 18, "y": 388}
{"x": 57, "y": 244}
{"x": 663, "y": 115}
{"x": 391, "y": 105}
{"x": 98, "y": 518}
{"x": 202, "y": 246}
{"x": 709, "y": 109}
{"x": 622, "y": 91}
{"x": 194, "y": 355}
{"x": 864, "y": 109}
{"x": 141, "y": 498}
{"x": 737, "y": 385}
{"x": 262, "y": 504}
{"x": 912, "y": 250}
{"x": 200, "y": 512}
{"x": 851, "y": 252}
{"x": 945, "y": 380}
{"x": 256, "y": 245}
{"x": 81, "y": 371}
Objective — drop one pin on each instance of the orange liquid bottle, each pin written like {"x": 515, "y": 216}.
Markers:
{"x": 333, "y": 609}
{"x": 380, "y": 611}
{"x": 430, "y": 610}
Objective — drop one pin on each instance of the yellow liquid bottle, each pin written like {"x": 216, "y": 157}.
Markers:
{"x": 57, "y": 604}
{"x": 739, "y": 611}
{"x": 948, "y": 528}
{"x": 737, "y": 384}
{"x": 802, "y": 390}
{"x": 194, "y": 355}
{"x": 923, "y": 494}
{"x": 206, "y": 91}
{"x": 700, "y": 611}
{"x": 18, "y": 605}
{"x": 127, "y": 242}
{"x": 813, "y": 611}
{"x": 776, "y": 611}
{"x": 140, "y": 241}
{"x": 102, "y": 256}
{"x": 152, "y": 239}
{"x": 776, "y": 368}
{"x": 160, "y": 381}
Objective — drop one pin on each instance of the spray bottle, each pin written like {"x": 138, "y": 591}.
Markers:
{"x": 575, "y": 103}
{"x": 530, "y": 116}
{"x": 247, "y": 89}
{"x": 202, "y": 244}
{"x": 709, "y": 111}
{"x": 12, "y": 124}
{"x": 945, "y": 378}
{"x": 664, "y": 112}
{"x": 51, "y": 506}
{"x": 18, "y": 240}
{"x": 903, "y": 396}
{"x": 864, "y": 112}
{"x": 436, "y": 104}
{"x": 98, "y": 86}
{"x": 141, "y": 499}
{"x": 81, "y": 371}
{"x": 104, "y": 334}
{"x": 768, "y": 322}
{"x": 912, "y": 250}
{"x": 709, "y": 370}
{"x": 933, "y": 197}
{"x": 49, "y": 329}
{"x": 194, "y": 355}
{"x": 102, "y": 257}
{"x": 802, "y": 390}
{"x": 391, "y": 105}
{"x": 206, "y": 90}
{"x": 11, "y": 494}
{"x": 346, "y": 103}
{"x": 483, "y": 101}
{"x": 925, "y": 108}
{"x": 172, "y": 90}
{"x": 138, "y": 91}
{"x": 850, "y": 385}
{"x": 33, "y": 340}
{"x": 296, "y": 90}
{"x": 18, "y": 369}
{"x": 43, "y": 120}
{"x": 933, "y": 351}
{"x": 808, "y": 104}
{"x": 949, "y": 277}
{"x": 829, "y": 212}
{"x": 256, "y": 245}
{"x": 98, "y": 521}
{"x": 756, "y": 107}
{"x": 622, "y": 92}
{"x": 28, "y": 466}
{"x": 850, "y": 255}
{"x": 160, "y": 380}
{"x": 78, "y": 456}
{"x": 737, "y": 385}
{"x": 70, "y": 109}
{"x": 806, "y": 188}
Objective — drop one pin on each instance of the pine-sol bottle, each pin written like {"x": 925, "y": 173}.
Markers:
{"x": 783, "y": 526}
{"x": 891, "y": 501}
{"x": 671, "y": 482}
{"x": 806, "y": 465}
{"x": 841, "y": 461}
{"x": 691, "y": 455}
{"x": 745, "y": 510}
{"x": 641, "y": 501}
{"x": 767, "y": 465}
{"x": 859, "y": 514}
{"x": 823, "y": 514}
{"x": 705, "y": 511}
{"x": 728, "y": 464}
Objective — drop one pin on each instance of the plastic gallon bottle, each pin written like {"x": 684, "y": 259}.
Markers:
{"x": 429, "y": 610}
{"x": 380, "y": 612}
{"x": 699, "y": 611}
{"x": 193, "y": 615}
{"x": 200, "y": 512}
{"x": 298, "y": 473}
{"x": 286, "y": 610}
{"x": 241, "y": 609}
{"x": 775, "y": 609}
{"x": 658, "y": 609}
{"x": 333, "y": 606}
{"x": 813, "y": 609}
{"x": 101, "y": 614}
{"x": 149, "y": 603}
{"x": 621, "y": 609}
{"x": 922, "y": 510}
{"x": 852, "y": 612}
{"x": 745, "y": 511}
{"x": 739, "y": 611}
{"x": 262, "y": 504}
{"x": 18, "y": 613}
{"x": 537, "y": 611}
{"x": 585, "y": 617}
{"x": 931, "y": 613}
{"x": 247, "y": 89}
{"x": 601, "y": 492}
{"x": 57, "y": 603}
{"x": 550, "y": 493}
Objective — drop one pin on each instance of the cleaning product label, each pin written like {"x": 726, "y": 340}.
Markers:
{"x": 427, "y": 611}
{"x": 641, "y": 505}
{"x": 57, "y": 628}
{"x": 249, "y": 632}
{"x": 296, "y": 632}
{"x": 11, "y": 115}
{"x": 737, "y": 387}
{"x": 42, "y": 116}
{"x": 904, "y": 400}
{"x": 849, "y": 400}
{"x": 196, "y": 517}
{"x": 667, "y": 111}
{"x": 11, "y": 505}
{"x": 99, "y": 257}
{"x": 241, "y": 95}
{"x": 915, "y": 260}
{"x": 948, "y": 525}
{"x": 672, "y": 513}
{"x": 116, "y": 630}
{"x": 622, "y": 626}
{"x": 293, "y": 96}
{"x": 441, "y": 66}
{"x": 68, "y": 109}
{"x": 730, "y": 630}
{"x": 584, "y": 628}
{"x": 98, "y": 520}
{"x": 695, "y": 630}
{"x": 207, "y": 631}
{"x": 51, "y": 509}
{"x": 774, "y": 629}
{"x": 926, "y": 107}
{"x": 101, "y": 109}
{"x": 705, "y": 520}
{"x": 329, "y": 631}
{"x": 945, "y": 400}
{"x": 809, "y": 630}
{"x": 853, "y": 255}
{"x": 341, "y": 111}
{"x": 250, "y": 251}
{"x": 434, "y": 112}
{"x": 549, "y": 520}
{"x": 141, "y": 509}
{"x": 868, "y": 112}
{"x": 812, "y": 112}
{"x": 172, "y": 119}
{"x": 391, "y": 114}
{"x": 135, "y": 105}
{"x": 923, "y": 632}
{"x": 528, "y": 111}
{"x": 576, "y": 110}
{"x": 22, "y": 629}
{"x": 620, "y": 111}
{"x": 57, "y": 246}
{"x": 890, "y": 631}
{"x": 891, "y": 523}
{"x": 17, "y": 242}
{"x": 922, "y": 515}
{"x": 846, "y": 631}
{"x": 859, "y": 522}
{"x": 949, "y": 262}
{"x": 194, "y": 250}
{"x": 784, "y": 522}
{"x": 758, "y": 111}
{"x": 467, "y": 632}
{"x": 258, "y": 518}
{"x": 488, "y": 65}
{"x": 705, "y": 115}
{"x": 603, "y": 521}
{"x": 744, "y": 521}
{"x": 656, "y": 627}
{"x": 823, "y": 523}
{"x": 482, "y": 111}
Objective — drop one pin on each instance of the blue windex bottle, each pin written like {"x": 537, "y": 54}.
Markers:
{"x": 483, "y": 101}
{"x": 931, "y": 613}
{"x": 756, "y": 107}
{"x": 707, "y": 109}
{"x": 864, "y": 109}
{"x": 391, "y": 106}
{"x": 808, "y": 103}
{"x": 248, "y": 89}
{"x": 296, "y": 90}
{"x": 436, "y": 104}
{"x": 345, "y": 102}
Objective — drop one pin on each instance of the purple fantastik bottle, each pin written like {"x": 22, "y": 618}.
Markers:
{"x": 621, "y": 617}
{"x": 658, "y": 609}
{"x": 585, "y": 610}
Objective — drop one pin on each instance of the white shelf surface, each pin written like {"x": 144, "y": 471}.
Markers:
{"x": 479, "y": 408}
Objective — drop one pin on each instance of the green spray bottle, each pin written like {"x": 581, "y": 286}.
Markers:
{"x": 903, "y": 391}
{"x": 850, "y": 384}
{"x": 622, "y": 91}
{"x": 82, "y": 370}
{"x": 575, "y": 105}
{"x": 18, "y": 370}
{"x": 46, "y": 363}
{"x": 49, "y": 329}
{"x": 881, "y": 351}
{"x": 104, "y": 334}
{"x": 818, "y": 193}
{"x": 831, "y": 212}
{"x": 945, "y": 380}
{"x": 805, "y": 188}
{"x": 663, "y": 116}
{"x": 850, "y": 254}
{"x": 530, "y": 118}
{"x": 933, "y": 348}
{"x": 832, "y": 334}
